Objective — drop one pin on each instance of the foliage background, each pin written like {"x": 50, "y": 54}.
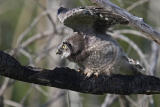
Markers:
{"x": 28, "y": 33}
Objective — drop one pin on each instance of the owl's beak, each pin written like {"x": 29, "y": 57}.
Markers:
{"x": 59, "y": 52}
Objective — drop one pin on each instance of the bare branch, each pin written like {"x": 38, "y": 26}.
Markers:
{"x": 36, "y": 37}
{"x": 154, "y": 58}
{"x": 35, "y": 21}
{"x": 128, "y": 31}
{"x": 38, "y": 88}
{"x": 12, "y": 103}
{"x": 132, "y": 101}
{"x": 134, "y": 21}
{"x": 134, "y": 46}
{"x": 67, "y": 78}
{"x": 27, "y": 94}
{"x": 54, "y": 99}
{"x": 109, "y": 100}
{"x": 4, "y": 86}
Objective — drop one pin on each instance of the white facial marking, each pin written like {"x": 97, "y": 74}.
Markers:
{"x": 66, "y": 54}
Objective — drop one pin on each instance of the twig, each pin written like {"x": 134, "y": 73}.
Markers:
{"x": 123, "y": 101}
{"x": 36, "y": 37}
{"x": 131, "y": 101}
{"x": 48, "y": 15}
{"x": 4, "y": 86}
{"x": 35, "y": 21}
{"x": 133, "y": 32}
{"x": 43, "y": 54}
{"x": 27, "y": 94}
{"x": 154, "y": 58}
{"x": 38, "y": 88}
{"x": 54, "y": 99}
{"x": 27, "y": 54}
{"x": 12, "y": 103}
{"x": 142, "y": 99}
{"x": 68, "y": 99}
{"x": 109, "y": 100}
{"x": 75, "y": 99}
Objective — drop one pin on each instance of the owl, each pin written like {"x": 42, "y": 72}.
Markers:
{"x": 97, "y": 55}
{"x": 91, "y": 47}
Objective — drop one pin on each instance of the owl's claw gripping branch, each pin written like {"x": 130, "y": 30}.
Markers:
{"x": 66, "y": 78}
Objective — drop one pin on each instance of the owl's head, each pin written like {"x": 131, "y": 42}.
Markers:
{"x": 72, "y": 46}
{"x": 65, "y": 50}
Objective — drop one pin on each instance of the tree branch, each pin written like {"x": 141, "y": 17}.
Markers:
{"x": 66, "y": 78}
{"x": 134, "y": 21}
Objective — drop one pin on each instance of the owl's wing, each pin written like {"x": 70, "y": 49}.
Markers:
{"x": 95, "y": 18}
{"x": 109, "y": 58}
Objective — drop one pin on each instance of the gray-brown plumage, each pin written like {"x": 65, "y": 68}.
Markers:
{"x": 91, "y": 48}
{"x": 89, "y": 19}
{"x": 97, "y": 54}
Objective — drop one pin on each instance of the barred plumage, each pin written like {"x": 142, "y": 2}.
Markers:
{"x": 90, "y": 47}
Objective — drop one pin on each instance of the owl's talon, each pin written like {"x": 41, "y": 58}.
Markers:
{"x": 88, "y": 74}
{"x": 96, "y": 74}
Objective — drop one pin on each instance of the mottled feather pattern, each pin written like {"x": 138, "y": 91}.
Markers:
{"x": 89, "y": 17}
{"x": 90, "y": 47}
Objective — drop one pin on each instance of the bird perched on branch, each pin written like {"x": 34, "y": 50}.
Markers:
{"x": 90, "y": 47}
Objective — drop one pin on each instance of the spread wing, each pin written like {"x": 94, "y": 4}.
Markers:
{"x": 90, "y": 17}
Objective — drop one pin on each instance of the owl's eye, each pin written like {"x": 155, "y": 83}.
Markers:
{"x": 64, "y": 46}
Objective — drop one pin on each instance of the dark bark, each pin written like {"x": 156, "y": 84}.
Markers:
{"x": 66, "y": 78}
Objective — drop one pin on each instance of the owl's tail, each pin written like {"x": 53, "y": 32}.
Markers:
{"x": 136, "y": 67}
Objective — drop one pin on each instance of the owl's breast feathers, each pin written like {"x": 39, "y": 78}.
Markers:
{"x": 97, "y": 52}
{"x": 102, "y": 54}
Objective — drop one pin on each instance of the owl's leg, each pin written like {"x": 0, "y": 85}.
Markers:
{"x": 88, "y": 72}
